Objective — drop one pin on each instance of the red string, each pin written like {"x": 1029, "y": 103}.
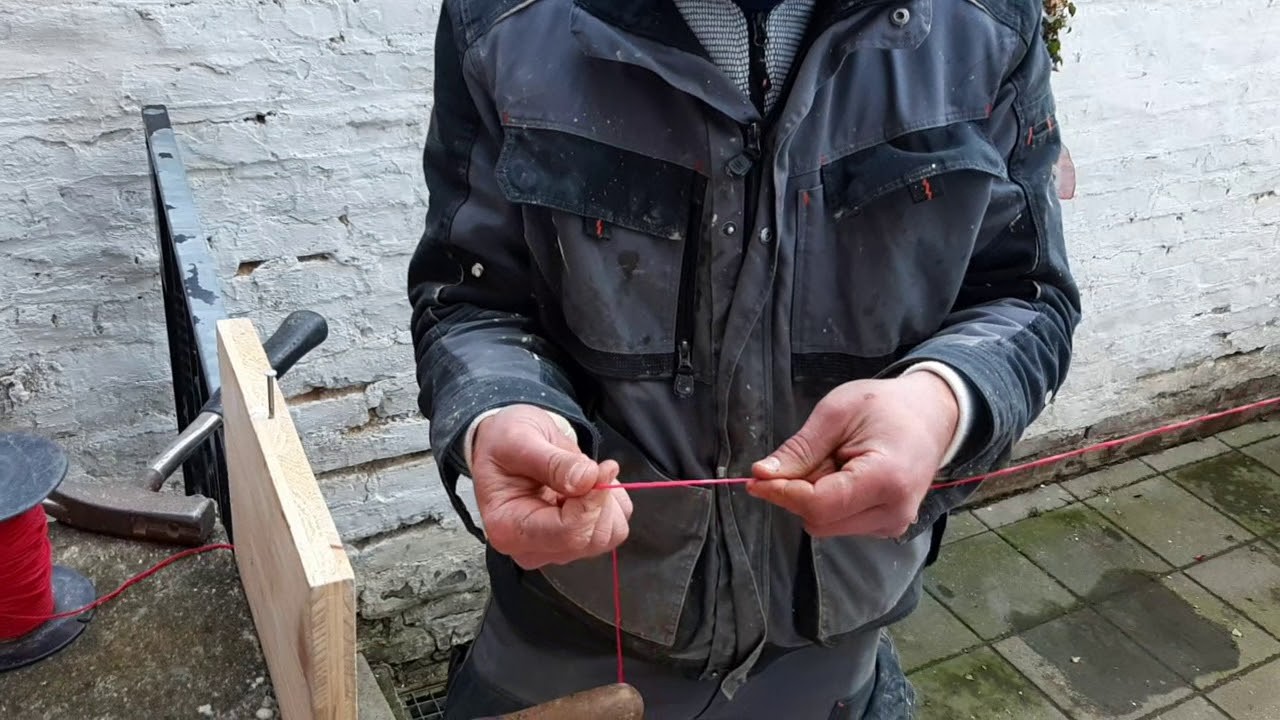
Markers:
{"x": 26, "y": 570}
{"x": 617, "y": 617}
{"x": 617, "y": 587}
{"x": 649, "y": 485}
{"x": 36, "y": 615}
{"x": 1110, "y": 444}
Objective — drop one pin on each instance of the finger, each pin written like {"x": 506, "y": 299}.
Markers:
{"x": 531, "y": 525}
{"x": 581, "y": 518}
{"x": 610, "y": 531}
{"x": 618, "y": 518}
{"x": 829, "y": 499}
{"x": 531, "y": 445}
{"x": 609, "y": 471}
{"x": 802, "y": 454}
{"x": 568, "y": 472}
{"x": 524, "y": 526}
{"x": 794, "y": 496}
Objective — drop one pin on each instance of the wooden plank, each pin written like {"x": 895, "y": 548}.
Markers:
{"x": 297, "y": 577}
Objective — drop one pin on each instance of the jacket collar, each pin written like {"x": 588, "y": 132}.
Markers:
{"x": 652, "y": 34}
{"x": 660, "y": 20}
{"x": 657, "y": 20}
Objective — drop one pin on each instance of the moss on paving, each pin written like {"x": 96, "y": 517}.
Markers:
{"x": 1239, "y": 486}
{"x": 979, "y": 684}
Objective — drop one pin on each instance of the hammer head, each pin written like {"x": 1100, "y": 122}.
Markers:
{"x": 611, "y": 702}
{"x": 132, "y": 512}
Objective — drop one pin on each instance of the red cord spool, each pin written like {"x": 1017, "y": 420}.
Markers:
{"x": 26, "y": 574}
{"x": 35, "y": 594}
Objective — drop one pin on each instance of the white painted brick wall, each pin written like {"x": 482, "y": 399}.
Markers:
{"x": 301, "y": 122}
{"x": 1170, "y": 113}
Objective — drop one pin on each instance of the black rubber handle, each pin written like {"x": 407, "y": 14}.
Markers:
{"x": 298, "y": 334}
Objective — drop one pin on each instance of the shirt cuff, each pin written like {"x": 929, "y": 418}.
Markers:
{"x": 964, "y": 401}
{"x": 563, "y": 424}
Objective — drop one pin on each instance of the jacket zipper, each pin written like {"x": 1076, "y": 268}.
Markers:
{"x": 686, "y": 303}
{"x": 757, "y": 85}
{"x": 758, "y": 68}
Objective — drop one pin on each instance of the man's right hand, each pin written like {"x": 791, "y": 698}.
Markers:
{"x": 534, "y": 488}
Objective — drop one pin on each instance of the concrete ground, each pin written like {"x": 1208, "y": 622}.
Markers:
{"x": 179, "y": 645}
{"x": 1149, "y": 589}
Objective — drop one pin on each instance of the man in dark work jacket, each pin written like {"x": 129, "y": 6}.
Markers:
{"x": 814, "y": 243}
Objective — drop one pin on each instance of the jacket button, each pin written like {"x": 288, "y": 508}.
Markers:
{"x": 729, "y": 229}
{"x": 766, "y": 235}
{"x": 901, "y": 16}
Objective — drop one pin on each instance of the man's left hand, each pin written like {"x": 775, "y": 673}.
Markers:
{"x": 863, "y": 461}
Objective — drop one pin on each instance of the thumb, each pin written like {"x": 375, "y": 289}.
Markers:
{"x": 804, "y": 454}
{"x": 570, "y": 473}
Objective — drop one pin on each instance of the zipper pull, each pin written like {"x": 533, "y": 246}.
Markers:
{"x": 684, "y": 369}
{"x": 753, "y": 141}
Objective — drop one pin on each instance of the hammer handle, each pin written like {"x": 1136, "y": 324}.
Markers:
{"x": 299, "y": 334}
{"x": 611, "y": 702}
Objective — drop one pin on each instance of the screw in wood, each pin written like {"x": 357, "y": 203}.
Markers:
{"x": 271, "y": 394}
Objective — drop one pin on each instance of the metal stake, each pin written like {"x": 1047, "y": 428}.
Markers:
{"x": 271, "y": 394}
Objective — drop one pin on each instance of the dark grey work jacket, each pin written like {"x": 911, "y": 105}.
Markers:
{"x": 615, "y": 234}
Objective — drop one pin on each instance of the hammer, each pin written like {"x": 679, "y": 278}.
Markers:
{"x": 141, "y": 511}
{"x": 611, "y": 702}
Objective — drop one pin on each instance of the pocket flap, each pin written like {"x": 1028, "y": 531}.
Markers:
{"x": 577, "y": 175}
{"x": 908, "y": 161}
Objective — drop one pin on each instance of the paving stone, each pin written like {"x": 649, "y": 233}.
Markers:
{"x": 1253, "y": 696}
{"x": 1267, "y": 453}
{"x": 1248, "y": 434}
{"x": 1249, "y": 579}
{"x": 1091, "y": 670}
{"x": 993, "y": 589}
{"x": 1241, "y": 487}
{"x": 1029, "y": 504}
{"x": 1189, "y": 630}
{"x": 1196, "y": 709}
{"x": 1177, "y": 525}
{"x": 980, "y": 684}
{"x": 930, "y": 633}
{"x": 962, "y": 525}
{"x": 1083, "y": 551}
{"x": 1108, "y": 479}
{"x": 1186, "y": 454}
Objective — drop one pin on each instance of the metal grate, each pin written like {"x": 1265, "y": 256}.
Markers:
{"x": 192, "y": 305}
{"x": 425, "y": 704}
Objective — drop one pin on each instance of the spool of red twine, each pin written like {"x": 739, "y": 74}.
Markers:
{"x": 26, "y": 573}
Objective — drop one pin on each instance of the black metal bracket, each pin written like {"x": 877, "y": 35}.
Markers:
{"x": 192, "y": 305}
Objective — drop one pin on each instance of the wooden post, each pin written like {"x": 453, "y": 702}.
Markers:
{"x": 296, "y": 574}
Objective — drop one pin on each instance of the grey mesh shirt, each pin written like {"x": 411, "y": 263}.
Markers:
{"x": 616, "y": 233}
{"x": 721, "y": 27}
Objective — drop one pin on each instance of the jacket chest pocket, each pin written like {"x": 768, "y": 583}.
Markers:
{"x": 609, "y": 232}
{"x": 882, "y": 243}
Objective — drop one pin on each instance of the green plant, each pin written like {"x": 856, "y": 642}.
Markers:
{"x": 1057, "y": 16}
